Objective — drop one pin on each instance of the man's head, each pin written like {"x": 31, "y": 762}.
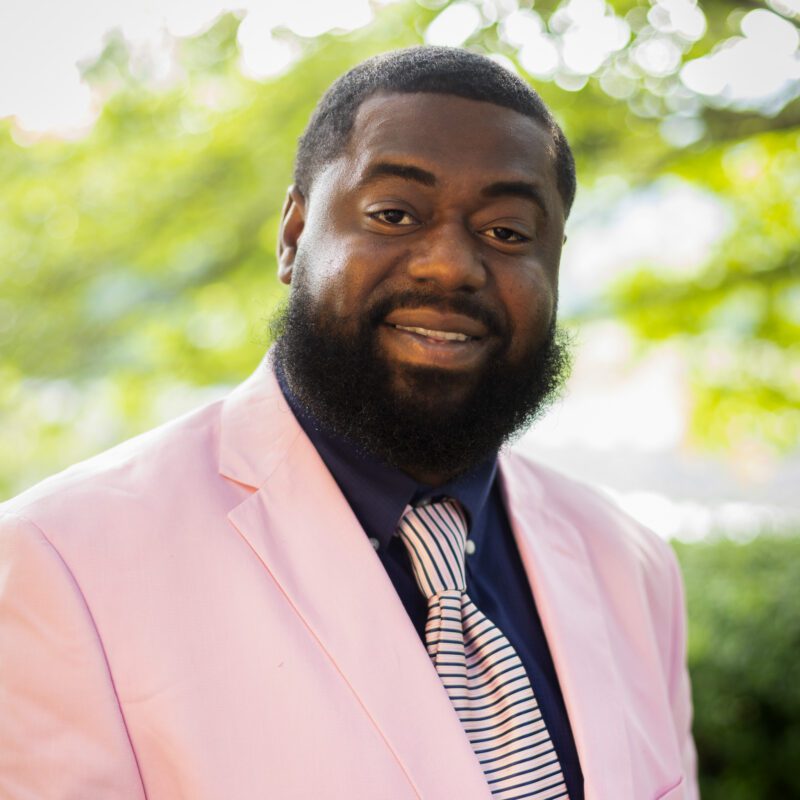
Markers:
{"x": 422, "y": 251}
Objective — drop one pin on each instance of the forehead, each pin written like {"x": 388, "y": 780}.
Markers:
{"x": 452, "y": 135}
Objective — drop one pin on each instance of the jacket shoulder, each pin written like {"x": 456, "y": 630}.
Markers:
{"x": 607, "y": 531}
{"x": 128, "y": 477}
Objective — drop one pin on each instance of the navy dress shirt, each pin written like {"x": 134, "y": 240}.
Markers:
{"x": 496, "y": 579}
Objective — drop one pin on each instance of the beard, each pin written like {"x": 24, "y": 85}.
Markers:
{"x": 347, "y": 387}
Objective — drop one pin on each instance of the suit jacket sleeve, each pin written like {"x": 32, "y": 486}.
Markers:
{"x": 680, "y": 687}
{"x": 62, "y": 733}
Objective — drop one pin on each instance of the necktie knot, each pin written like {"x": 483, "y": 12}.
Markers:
{"x": 435, "y": 536}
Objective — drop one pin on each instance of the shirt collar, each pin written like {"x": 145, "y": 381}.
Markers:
{"x": 379, "y": 493}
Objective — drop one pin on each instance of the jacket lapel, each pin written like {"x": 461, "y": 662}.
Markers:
{"x": 571, "y": 609}
{"x": 305, "y": 534}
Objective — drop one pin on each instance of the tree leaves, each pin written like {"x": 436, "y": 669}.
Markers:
{"x": 139, "y": 260}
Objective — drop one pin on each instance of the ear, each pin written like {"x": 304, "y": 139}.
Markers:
{"x": 293, "y": 220}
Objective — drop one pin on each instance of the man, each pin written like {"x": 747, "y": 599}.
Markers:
{"x": 328, "y": 584}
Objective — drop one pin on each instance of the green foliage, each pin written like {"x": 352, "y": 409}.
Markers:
{"x": 740, "y": 314}
{"x": 744, "y": 640}
{"x": 138, "y": 262}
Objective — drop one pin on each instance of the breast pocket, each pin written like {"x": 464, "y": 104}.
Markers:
{"x": 675, "y": 792}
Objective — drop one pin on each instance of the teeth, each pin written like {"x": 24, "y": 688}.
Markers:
{"x": 446, "y": 335}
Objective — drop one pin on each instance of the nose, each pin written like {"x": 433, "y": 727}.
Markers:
{"x": 450, "y": 257}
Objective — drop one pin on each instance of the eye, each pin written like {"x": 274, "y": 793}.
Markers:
{"x": 394, "y": 216}
{"x": 506, "y": 235}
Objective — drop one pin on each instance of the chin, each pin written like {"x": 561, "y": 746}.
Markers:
{"x": 439, "y": 392}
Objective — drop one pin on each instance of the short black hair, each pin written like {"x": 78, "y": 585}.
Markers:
{"x": 442, "y": 70}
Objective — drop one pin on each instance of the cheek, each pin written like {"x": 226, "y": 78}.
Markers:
{"x": 336, "y": 277}
{"x": 530, "y": 305}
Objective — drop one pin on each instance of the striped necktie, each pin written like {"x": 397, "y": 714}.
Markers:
{"x": 482, "y": 673}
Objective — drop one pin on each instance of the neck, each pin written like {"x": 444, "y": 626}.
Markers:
{"x": 432, "y": 479}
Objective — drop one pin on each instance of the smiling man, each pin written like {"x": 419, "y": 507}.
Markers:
{"x": 337, "y": 582}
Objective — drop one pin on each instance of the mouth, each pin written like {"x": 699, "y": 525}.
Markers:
{"x": 427, "y": 337}
{"x": 435, "y": 336}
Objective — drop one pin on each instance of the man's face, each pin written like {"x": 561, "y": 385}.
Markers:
{"x": 433, "y": 242}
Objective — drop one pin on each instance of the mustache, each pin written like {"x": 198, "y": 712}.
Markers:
{"x": 455, "y": 304}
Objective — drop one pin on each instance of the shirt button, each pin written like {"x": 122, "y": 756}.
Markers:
{"x": 374, "y": 542}
{"x": 470, "y": 547}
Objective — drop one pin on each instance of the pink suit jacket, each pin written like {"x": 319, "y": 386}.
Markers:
{"x": 197, "y": 614}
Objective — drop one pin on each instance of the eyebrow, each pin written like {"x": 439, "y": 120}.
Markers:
{"x": 523, "y": 189}
{"x": 388, "y": 169}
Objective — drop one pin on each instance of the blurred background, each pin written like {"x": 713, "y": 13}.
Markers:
{"x": 144, "y": 153}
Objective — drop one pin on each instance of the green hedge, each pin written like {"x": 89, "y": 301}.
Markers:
{"x": 744, "y": 649}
